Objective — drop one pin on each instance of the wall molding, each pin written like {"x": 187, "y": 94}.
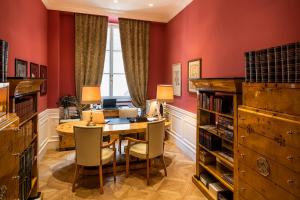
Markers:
{"x": 183, "y": 129}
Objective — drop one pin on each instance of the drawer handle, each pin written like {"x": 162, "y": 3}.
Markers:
{"x": 243, "y": 137}
{"x": 290, "y": 157}
{"x": 243, "y": 155}
{"x": 290, "y": 181}
{"x": 243, "y": 189}
{"x": 16, "y": 154}
{"x": 290, "y": 132}
{"x": 243, "y": 171}
{"x": 16, "y": 177}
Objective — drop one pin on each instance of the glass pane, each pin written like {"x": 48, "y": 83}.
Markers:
{"x": 116, "y": 39}
{"x": 120, "y": 87}
{"x": 108, "y": 39}
{"x": 105, "y": 85}
{"x": 118, "y": 62}
{"x": 106, "y": 62}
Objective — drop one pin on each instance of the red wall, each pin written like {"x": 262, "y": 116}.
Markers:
{"x": 24, "y": 25}
{"x": 221, "y": 31}
{"x": 156, "y": 57}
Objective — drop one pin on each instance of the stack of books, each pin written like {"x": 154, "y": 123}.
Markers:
{"x": 26, "y": 162}
{"x": 279, "y": 64}
{"x": 210, "y": 141}
{"x": 3, "y": 60}
{"x": 24, "y": 109}
{"x": 221, "y": 104}
{"x": 27, "y": 133}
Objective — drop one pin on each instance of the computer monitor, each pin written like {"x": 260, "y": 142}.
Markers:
{"x": 109, "y": 103}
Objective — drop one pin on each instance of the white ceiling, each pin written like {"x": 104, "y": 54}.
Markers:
{"x": 161, "y": 11}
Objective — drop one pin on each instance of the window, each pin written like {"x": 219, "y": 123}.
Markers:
{"x": 114, "y": 84}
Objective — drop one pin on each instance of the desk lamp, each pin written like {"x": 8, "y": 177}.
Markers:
{"x": 164, "y": 94}
{"x": 90, "y": 95}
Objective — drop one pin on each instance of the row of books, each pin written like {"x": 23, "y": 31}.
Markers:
{"x": 221, "y": 104}
{"x": 219, "y": 131}
{"x": 3, "y": 60}
{"x": 24, "y": 109}
{"x": 215, "y": 188}
{"x": 210, "y": 141}
{"x": 25, "y": 172}
{"x": 279, "y": 64}
{"x": 224, "y": 122}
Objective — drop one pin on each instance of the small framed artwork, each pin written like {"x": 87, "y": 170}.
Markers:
{"x": 43, "y": 75}
{"x": 20, "y": 68}
{"x": 34, "y": 70}
{"x": 176, "y": 79}
{"x": 194, "y": 72}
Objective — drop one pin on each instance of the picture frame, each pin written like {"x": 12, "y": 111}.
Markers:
{"x": 176, "y": 79}
{"x": 43, "y": 75}
{"x": 34, "y": 70}
{"x": 194, "y": 72}
{"x": 20, "y": 68}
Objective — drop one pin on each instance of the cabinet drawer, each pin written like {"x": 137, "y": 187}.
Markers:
{"x": 270, "y": 169}
{"x": 262, "y": 185}
{"x": 270, "y": 148}
{"x": 281, "y": 127}
{"x": 248, "y": 192}
{"x": 269, "y": 97}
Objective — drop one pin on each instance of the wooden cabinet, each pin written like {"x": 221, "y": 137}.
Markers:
{"x": 269, "y": 141}
{"x": 19, "y": 141}
{"x": 217, "y": 103}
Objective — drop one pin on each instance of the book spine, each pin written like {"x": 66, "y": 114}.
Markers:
{"x": 257, "y": 66}
{"x": 252, "y": 66}
{"x": 264, "y": 66}
{"x": 297, "y": 73}
{"x": 284, "y": 63}
{"x": 271, "y": 65}
{"x": 291, "y": 68}
{"x": 247, "y": 67}
{"x": 278, "y": 65}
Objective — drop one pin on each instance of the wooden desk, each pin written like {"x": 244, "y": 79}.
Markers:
{"x": 66, "y": 134}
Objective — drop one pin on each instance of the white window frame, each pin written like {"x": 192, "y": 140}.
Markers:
{"x": 111, "y": 26}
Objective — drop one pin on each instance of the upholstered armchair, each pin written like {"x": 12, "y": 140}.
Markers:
{"x": 150, "y": 148}
{"x": 91, "y": 152}
{"x": 126, "y": 113}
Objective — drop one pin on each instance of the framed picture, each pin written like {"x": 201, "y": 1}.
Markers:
{"x": 194, "y": 72}
{"x": 176, "y": 79}
{"x": 20, "y": 68}
{"x": 43, "y": 74}
{"x": 34, "y": 70}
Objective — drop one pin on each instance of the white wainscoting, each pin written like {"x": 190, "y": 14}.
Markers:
{"x": 48, "y": 138}
{"x": 183, "y": 129}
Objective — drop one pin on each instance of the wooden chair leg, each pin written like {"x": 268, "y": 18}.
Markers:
{"x": 120, "y": 145}
{"x": 148, "y": 170}
{"x": 115, "y": 165}
{"x": 164, "y": 164}
{"x": 127, "y": 162}
{"x": 75, "y": 177}
{"x": 101, "y": 179}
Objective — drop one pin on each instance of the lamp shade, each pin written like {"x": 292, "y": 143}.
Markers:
{"x": 164, "y": 93}
{"x": 90, "y": 95}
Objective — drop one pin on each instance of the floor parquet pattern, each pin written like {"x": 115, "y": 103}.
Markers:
{"x": 56, "y": 171}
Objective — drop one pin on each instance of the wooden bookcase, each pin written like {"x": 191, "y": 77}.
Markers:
{"x": 23, "y": 101}
{"x": 217, "y": 106}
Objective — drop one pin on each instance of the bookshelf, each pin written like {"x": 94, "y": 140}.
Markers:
{"x": 23, "y": 101}
{"x": 217, "y": 105}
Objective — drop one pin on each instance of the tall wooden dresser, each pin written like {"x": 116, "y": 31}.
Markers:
{"x": 269, "y": 142}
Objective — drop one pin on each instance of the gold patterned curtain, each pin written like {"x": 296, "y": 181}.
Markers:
{"x": 135, "y": 49}
{"x": 90, "y": 45}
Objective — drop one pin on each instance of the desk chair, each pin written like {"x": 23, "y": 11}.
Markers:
{"x": 151, "y": 147}
{"x": 91, "y": 152}
{"x": 126, "y": 113}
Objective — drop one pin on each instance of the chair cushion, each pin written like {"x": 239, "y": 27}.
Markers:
{"x": 107, "y": 155}
{"x": 138, "y": 150}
